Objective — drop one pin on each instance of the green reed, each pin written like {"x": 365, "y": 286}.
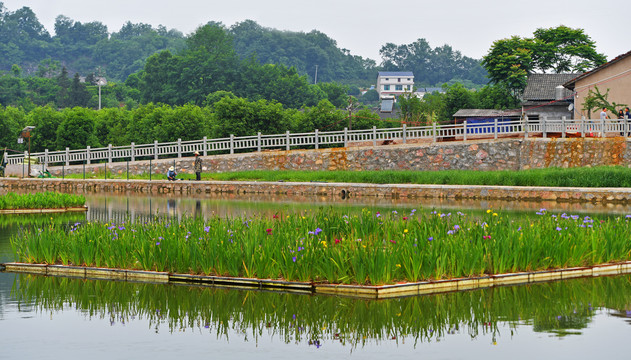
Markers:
{"x": 361, "y": 248}
{"x": 40, "y": 200}
{"x": 560, "y": 308}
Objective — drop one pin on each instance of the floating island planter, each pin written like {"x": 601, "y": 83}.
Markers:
{"x": 369, "y": 253}
{"x": 44, "y": 202}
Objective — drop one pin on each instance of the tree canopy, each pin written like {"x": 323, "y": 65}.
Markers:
{"x": 557, "y": 50}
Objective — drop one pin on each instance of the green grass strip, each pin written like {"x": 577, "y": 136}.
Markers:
{"x": 323, "y": 246}
{"x": 605, "y": 176}
{"x": 42, "y": 200}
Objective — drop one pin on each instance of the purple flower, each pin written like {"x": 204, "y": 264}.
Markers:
{"x": 158, "y": 243}
{"x": 430, "y": 238}
{"x": 293, "y": 259}
{"x": 111, "y": 227}
{"x": 317, "y": 231}
{"x": 206, "y": 228}
{"x": 121, "y": 228}
{"x": 559, "y": 229}
{"x": 450, "y": 232}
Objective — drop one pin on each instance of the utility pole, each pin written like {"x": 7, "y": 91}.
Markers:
{"x": 350, "y": 112}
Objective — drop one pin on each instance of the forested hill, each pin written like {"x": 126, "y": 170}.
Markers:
{"x": 89, "y": 48}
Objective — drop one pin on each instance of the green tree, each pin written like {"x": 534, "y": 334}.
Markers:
{"x": 596, "y": 100}
{"x": 78, "y": 93}
{"x": 559, "y": 49}
{"x": 63, "y": 94}
{"x": 11, "y": 122}
{"x": 46, "y": 120}
{"x": 411, "y": 108}
{"x": 335, "y": 93}
{"x": 563, "y": 49}
{"x": 508, "y": 62}
{"x": 458, "y": 97}
{"x": 76, "y": 129}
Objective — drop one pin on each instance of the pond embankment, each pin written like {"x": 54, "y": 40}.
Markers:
{"x": 409, "y": 191}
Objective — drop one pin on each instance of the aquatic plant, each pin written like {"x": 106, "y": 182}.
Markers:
{"x": 360, "y": 248}
{"x": 40, "y": 200}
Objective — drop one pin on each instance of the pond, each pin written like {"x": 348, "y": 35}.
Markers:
{"x": 55, "y": 317}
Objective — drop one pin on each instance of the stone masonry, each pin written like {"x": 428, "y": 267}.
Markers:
{"x": 501, "y": 154}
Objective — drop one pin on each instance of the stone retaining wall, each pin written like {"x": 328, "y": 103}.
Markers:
{"x": 501, "y": 154}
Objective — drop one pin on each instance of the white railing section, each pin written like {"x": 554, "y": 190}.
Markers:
{"x": 288, "y": 141}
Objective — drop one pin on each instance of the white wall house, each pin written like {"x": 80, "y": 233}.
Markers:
{"x": 391, "y": 84}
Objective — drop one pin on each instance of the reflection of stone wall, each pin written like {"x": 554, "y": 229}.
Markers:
{"x": 396, "y": 191}
{"x": 502, "y": 154}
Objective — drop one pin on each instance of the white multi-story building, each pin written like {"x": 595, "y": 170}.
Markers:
{"x": 391, "y": 84}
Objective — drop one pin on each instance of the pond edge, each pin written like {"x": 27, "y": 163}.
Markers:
{"x": 83, "y": 208}
{"x": 356, "y": 291}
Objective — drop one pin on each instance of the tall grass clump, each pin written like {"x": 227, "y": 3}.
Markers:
{"x": 42, "y": 200}
{"x": 364, "y": 248}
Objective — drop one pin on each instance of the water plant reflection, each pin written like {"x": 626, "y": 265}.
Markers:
{"x": 560, "y": 308}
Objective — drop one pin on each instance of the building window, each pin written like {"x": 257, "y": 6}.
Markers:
{"x": 399, "y": 79}
{"x": 399, "y": 87}
{"x": 408, "y": 87}
{"x": 387, "y": 79}
{"x": 386, "y": 87}
{"x": 408, "y": 79}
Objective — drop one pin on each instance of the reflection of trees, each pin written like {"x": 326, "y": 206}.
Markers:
{"x": 551, "y": 307}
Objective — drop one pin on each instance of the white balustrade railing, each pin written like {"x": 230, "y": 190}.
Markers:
{"x": 287, "y": 141}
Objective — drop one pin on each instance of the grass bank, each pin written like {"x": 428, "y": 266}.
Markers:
{"x": 43, "y": 200}
{"x": 606, "y": 176}
{"x": 365, "y": 248}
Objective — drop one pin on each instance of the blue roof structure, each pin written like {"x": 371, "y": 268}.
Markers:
{"x": 396, "y": 73}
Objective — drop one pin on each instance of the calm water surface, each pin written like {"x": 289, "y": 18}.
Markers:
{"x": 60, "y": 317}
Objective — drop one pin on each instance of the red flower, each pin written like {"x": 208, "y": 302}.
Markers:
{"x": 269, "y": 231}
{"x": 337, "y": 241}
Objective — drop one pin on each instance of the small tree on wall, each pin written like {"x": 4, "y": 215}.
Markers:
{"x": 595, "y": 100}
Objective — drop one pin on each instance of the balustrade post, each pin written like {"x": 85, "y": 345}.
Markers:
{"x": 87, "y": 155}
{"x": 464, "y": 131}
{"x": 626, "y": 126}
{"x": 205, "y": 145}
{"x": 434, "y": 131}
{"x": 582, "y": 126}
{"x": 179, "y": 148}
{"x": 317, "y": 140}
{"x": 231, "y": 143}
{"x": 404, "y": 133}
{"x": 287, "y": 140}
{"x": 155, "y": 149}
{"x": 109, "y": 153}
{"x": 258, "y": 142}
{"x": 544, "y": 127}
{"x": 345, "y": 137}
{"x": 602, "y": 128}
{"x": 67, "y": 157}
{"x": 133, "y": 152}
{"x": 563, "y": 129}
{"x": 526, "y": 127}
{"x": 374, "y": 136}
{"x": 495, "y": 129}
{"x": 46, "y": 159}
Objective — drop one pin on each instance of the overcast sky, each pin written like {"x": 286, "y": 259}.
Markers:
{"x": 364, "y": 26}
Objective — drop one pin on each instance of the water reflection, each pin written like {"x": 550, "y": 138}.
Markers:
{"x": 560, "y": 309}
